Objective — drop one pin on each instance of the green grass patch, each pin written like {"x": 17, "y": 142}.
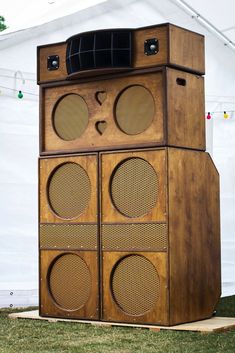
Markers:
{"x": 226, "y": 307}
{"x": 32, "y": 336}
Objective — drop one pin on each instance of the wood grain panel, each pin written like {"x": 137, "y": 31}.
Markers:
{"x": 178, "y": 118}
{"x": 112, "y": 312}
{"x": 194, "y": 235}
{"x": 186, "y": 49}
{"x": 157, "y": 160}
{"x": 185, "y": 110}
{"x": 47, "y": 166}
{"x": 140, "y": 60}
{"x": 112, "y": 136}
{"x": 48, "y": 307}
{"x": 177, "y": 47}
{"x": 52, "y": 75}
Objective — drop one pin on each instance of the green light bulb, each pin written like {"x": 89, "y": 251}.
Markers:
{"x": 20, "y": 95}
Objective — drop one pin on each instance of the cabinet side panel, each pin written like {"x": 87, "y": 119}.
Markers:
{"x": 186, "y": 110}
{"x": 194, "y": 236}
{"x": 187, "y": 49}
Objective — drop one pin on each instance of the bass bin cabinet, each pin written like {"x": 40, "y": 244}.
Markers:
{"x": 160, "y": 236}
{"x": 68, "y": 237}
{"x": 154, "y": 242}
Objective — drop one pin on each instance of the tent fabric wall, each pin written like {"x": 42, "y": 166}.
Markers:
{"x": 18, "y": 190}
{"x": 19, "y": 135}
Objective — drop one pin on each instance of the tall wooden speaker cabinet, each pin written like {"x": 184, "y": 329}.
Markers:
{"x": 129, "y": 220}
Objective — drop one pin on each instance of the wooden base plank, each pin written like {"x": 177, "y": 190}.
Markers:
{"x": 214, "y": 324}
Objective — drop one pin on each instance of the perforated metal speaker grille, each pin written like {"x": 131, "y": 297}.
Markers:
{"x": 135, "y": 285}
{"x": 135, "y": 109}
{"x": 148, "y": 236}
{"x": 69, "y": 190}
{"x": 70, "y": 282}
{"x": 70, "y": 117}
{"x": 134, "y": 187}
{"x": 62, "y": 236}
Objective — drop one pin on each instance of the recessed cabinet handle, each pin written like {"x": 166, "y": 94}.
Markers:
{"x": 181, "y": 81}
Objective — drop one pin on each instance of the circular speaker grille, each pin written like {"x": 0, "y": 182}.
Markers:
{"x": 69, "y": 190}
{"x": 134, "y": 187}
{"x": 70, "y": 117}
{"x": 135, "y": 285}
{"x": 70, "y": 282}
{"x": 135, "y": 110}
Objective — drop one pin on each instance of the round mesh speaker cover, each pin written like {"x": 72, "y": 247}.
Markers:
{"x": 134, "y": 187}
{"x": 135, "y": 110}
{"x": 70, "y": 282}
{"x": 69, "y": 190}
{"x": 70, "y": 117}
{"x": 135, "y": 285}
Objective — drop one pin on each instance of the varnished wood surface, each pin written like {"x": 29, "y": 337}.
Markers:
{"x": 140, "y": 60}
{"x": 47, "y": 166}
{"x": 188, "y": 203}
{"x": 178, "y": 119}
{"x": 194, "y": 278}
{"x": 45, "y": 75}
{"x": 48, "y": 307}
{"x": 109, "y": 162}
{"x": 95, "y": 73}
{"x": 178, "y": 47}
{"x": 112, "y": 312}
{"x": 194, "y": 235}
{"x": 186, "y": 49}
{"x": 214, "y": 324}
{"x": 185, "y": 110}
{"x": 112, "y": 136}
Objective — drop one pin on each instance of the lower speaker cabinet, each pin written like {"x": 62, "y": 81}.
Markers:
{"x": 69, "y": 284}
{"x": 160, "y": 236}
{"x": 149, "y": 255}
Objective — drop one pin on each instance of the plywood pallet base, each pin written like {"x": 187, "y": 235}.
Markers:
{"x": 214, "y": 324}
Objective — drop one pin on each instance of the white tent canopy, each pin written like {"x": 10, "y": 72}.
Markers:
{"x": 19, "y": 118}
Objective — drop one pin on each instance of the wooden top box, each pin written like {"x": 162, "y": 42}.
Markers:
{"x": 145, "y": 108}
{"x": 112, "y": 50}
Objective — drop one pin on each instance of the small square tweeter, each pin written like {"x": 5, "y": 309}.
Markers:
{"x": 53, "y": 62}
{"x": 151, "y": 46}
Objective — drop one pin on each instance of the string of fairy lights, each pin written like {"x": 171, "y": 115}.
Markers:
{"x": 19, "y": 92}
{"x": 227, "y": 114}
{"x": 209, "y": 115}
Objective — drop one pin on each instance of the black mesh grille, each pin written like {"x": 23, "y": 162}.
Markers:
{"x": 102, "y": 49}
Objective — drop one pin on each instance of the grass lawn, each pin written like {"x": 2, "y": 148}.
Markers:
{"x": 22, "y": 336}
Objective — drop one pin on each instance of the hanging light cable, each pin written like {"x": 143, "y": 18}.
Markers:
{"x": 208, "y": 25}
{"x": 20, "y": 94}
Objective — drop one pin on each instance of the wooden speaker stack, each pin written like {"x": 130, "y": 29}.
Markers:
{"x": 129, "y": 223}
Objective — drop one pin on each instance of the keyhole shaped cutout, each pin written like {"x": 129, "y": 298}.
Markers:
{"x": 100, "y": 96}
{"x": 101, "y": 126}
